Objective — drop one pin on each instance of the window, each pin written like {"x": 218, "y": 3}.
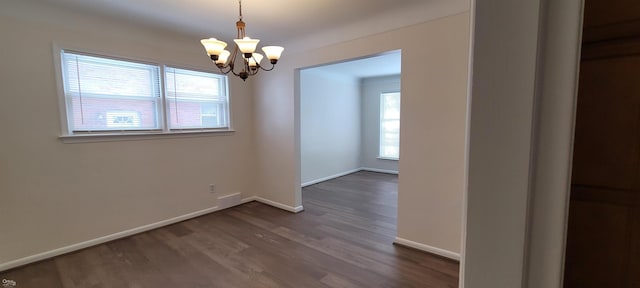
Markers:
{"x": 390, "y": 125}
{"x": 195, "y": 100}
{"x": 112, "y": 96}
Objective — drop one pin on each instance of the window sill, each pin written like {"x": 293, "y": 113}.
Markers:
{"x": 387, "y": 158}
{"x": 135, "y": 136}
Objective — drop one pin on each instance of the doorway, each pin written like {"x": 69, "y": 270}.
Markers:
{"x": 342, "y": 127}
{"x": 349, "y": 145}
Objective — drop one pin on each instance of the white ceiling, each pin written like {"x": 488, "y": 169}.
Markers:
{"x": 275, "y": 22}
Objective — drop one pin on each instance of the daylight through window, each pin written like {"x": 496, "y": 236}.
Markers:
{"x": 114, "y": 96}
{"x": 390, "y": 125}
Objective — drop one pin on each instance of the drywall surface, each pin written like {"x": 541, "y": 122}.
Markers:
{"x": 434, "y": 101}
{"x": 329, "y": 124}
{"x": 503, "y": 85}
{"x": 55, "y": 194}
{"x": 560, "y": 58}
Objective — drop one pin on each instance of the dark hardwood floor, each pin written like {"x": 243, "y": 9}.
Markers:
{"x": 342, "y": 239}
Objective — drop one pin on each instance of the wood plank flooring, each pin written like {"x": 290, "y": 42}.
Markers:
{"x": 343, "y": 239}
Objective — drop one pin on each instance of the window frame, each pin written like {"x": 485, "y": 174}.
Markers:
{"x": 166, "y": 99}
{"x": 381, "y": 129}
{"x": 69, "y": 136}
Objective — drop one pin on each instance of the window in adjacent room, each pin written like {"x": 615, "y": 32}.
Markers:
{"x": 115, "y": 96}
{"x": 390, "y": 125}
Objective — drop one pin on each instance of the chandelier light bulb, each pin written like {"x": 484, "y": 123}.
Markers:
{"x": 273, "y": 53}
{"x": 247, "y": 45}
{"x": 223, "y": 58}
{"x": 213, "y": 46}
{"x": 255, "y": 60}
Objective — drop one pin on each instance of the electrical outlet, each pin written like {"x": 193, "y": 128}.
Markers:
{"x": 212, "y": 188}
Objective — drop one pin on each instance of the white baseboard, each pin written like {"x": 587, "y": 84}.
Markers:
{"x": 248, "y": 199}
{"x": 227, "y": 201}
{"x": 274, "y": 204}
{"x": 329, "y": 177}
{"x": 379, "y": 170}
{"x": 427, "y": 248}
{"x": 309, "y": 183}
{"x": 101, "y": 240}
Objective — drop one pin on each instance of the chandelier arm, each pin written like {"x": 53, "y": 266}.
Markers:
{"x": 269, "y": 69}
{"x": 254, "y": 70}
{"x": 244, "y": 74}
{"x": 232, "y": 62}
{"x": 233, "y": 55}
{"x": 222, "y": 69}
{"x": 248, "y": 68}
{"x": 233, "y": 70}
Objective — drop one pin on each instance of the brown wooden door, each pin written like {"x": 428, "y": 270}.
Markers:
{"x": 603, "y": 242}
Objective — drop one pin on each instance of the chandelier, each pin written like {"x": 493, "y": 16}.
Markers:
{"x": 245, "y": 47}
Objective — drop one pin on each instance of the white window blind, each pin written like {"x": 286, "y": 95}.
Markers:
{"x": 96, "y": 88}
{"x": 390, "y": 125}
{"x": 114, "y": 96}
{"x": 195, "y": 99}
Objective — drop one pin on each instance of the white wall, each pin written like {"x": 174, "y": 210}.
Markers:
{"x": 539, "y": 79}
{"x": 557, "y": 92}
{"x": 54, "y": 194}
{"x": 330, "y": 125}
{"x": 371, "y": 90}
{"x": 500, "y": 142}
{"x": 434, "y": 83}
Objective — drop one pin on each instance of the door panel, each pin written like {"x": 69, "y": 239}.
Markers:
{"x": 607, "y": 121}
{"x": 603, "y": 235}
{"x": 600, "y": 240}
